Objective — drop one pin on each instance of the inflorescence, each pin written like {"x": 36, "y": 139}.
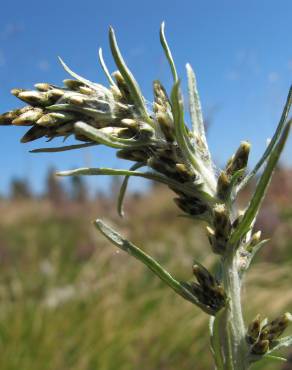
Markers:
{"x": 172, "y": 153}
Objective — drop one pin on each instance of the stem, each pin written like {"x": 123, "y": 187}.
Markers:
{"x": 233, "y": 345}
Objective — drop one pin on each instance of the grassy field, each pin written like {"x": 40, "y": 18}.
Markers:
{"x": 70, "y": 300}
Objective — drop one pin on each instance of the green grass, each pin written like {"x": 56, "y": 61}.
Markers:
{"x": 70, "y": 300}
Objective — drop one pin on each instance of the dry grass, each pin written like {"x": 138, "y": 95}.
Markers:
{"x": 70, "y": 300}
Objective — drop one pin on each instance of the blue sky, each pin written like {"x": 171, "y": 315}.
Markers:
{"x": 241, "y": 52}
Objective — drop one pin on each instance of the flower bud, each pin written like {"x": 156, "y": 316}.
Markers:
{"x": 166, "y": 125}
{"x": 255, "y": 239}
{"x": 34, "y": 133}
{"x": 261, "y": 347}
{"x": 204, "y": 277}
{"x": 73, "y": 84}
{"x": 8, "y": 117}
{"x": 55, "y": 118}
{"x": 191, "y": 206}
{"x": 238, "y": 219}
{"x": 76, "y": 99}
{"x": 160, "y": 96}
{"x": 210, "y": 234}
{"x": 239, "y": 159}
{"x": 123, "y": 87}
{"x": 55, "y": 94}
{"x": 129, "y": 122}
{"x": 29, "y": 117}
{"x": 223, "y": 185}
{"x": 136, "y": 155}
{"x": 43, "y": 86}
{"x": 86, "y": 90}
{"x": 253, "y": 330}
{"x": 184, "y": 172}
{"x": 275, "y": 328}
{"x": 222, "y": 222}
{"x": 16, "y": 92}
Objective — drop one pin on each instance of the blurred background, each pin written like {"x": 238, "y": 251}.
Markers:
{"x": 68, "y": 298}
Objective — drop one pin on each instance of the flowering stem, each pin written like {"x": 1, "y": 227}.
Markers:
{"x": 234, "y": 346}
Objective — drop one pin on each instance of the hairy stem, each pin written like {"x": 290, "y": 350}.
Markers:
{"x": 234, "y": 346}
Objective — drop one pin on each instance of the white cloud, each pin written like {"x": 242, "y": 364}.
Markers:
{"x": 273, "y": 77}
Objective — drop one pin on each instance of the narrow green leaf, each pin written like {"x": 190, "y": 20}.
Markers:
{"x": 179, "y": 124}
{"x": 148, "y": 261}
{"x": 258, "y": 361}
{"x": 90, "y": 112}
{"x": 196, "y": 110}
{"x": 132, "y": 84}
{"x": 276, "y": 358}
{"x": 104, "y": 68}
{"x": 75, "y": 75}
{"x": 272, "y": 143}
{"x": 261, "y": 188}
{"x": 106, "y": 139}
{"x": 120, "y": 172}
{"x": 168, "y": 52}
{"x": 184, "y": 141}
{"x": 123, "y": 189}
{"x": 216, "y": 338}
{"x": 100, "y": 171}
{"x": 253, "y": 253}
{"x": 277, "y": 345}
{"x": 231, "y": 195}
{"x": 282, "y": 343}
{"x": 63, "y": 148}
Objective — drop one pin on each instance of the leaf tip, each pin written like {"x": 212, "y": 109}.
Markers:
{"x": 61, "y": 61}
{"x": 111, "y": 32}
{"x": 121, "y": 213}
{"x": 61, "y": 173}
{"x": 98, "y": 223}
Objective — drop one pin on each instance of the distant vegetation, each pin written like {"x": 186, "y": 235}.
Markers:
{"x": 70, "y": 300}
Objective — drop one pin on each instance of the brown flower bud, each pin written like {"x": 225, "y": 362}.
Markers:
{"x": 239, "y": 159}
{"x": 253, "y": 330}
{"x": 223, "y": 185}
{"x": 261, "y": 347}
